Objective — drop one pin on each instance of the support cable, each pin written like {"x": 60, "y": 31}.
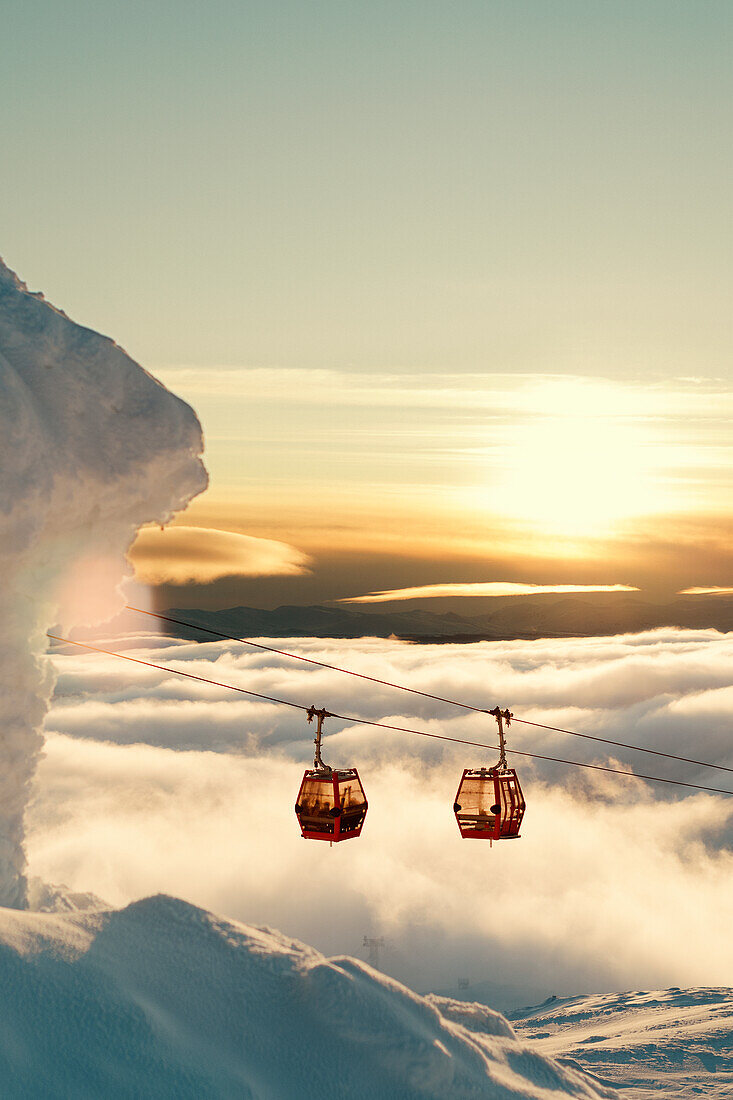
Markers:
{"x": 428, "y": 695}
{"x": 386, "y": 725}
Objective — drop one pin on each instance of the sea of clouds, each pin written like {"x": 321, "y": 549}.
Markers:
{"x": 151, "y": 782}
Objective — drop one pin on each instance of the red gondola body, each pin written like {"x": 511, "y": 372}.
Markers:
{"x": 331, "y": 805}
{"x": 489, "y": 804}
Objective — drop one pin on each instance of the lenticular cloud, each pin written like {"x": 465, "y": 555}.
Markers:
{"x": 91, "y": 447}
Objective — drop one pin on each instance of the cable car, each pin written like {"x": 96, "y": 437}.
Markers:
{"x": 489, "y": 804}
{"x": 331, "y": 804}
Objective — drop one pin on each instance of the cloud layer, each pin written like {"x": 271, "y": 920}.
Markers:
{"x": 714, "y": 591}
{"x": 152, "y": 782}
{"x": 186, "y": 555}
{"x": 488, "y": 588}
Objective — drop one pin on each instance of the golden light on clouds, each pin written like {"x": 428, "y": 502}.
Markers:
{"x": 538, "y": 469}
{"x": 185, "y": 555}
{"x": 706, "y": 591}
{"x": 493, "y": 588}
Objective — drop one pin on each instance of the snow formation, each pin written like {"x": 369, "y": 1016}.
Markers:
{"x": 91, "y": 447}
{"x": 163, "y": 999}
{"x": 671, "y": 1042}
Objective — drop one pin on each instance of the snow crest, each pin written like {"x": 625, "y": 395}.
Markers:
{"x": 164, "y": 999}
{"x": 91, "y": 447}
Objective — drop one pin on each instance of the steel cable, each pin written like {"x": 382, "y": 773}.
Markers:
{"x": 386, "y": 725}
{"x": 427, "y": 694}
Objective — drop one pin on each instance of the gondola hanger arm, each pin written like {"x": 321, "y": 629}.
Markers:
{"x": 502, "y": 716}
{"x": 321, "y": 714}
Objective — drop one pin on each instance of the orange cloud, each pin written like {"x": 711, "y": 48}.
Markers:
{"x": 714, "y": 591}
{"x": 492, "y": 588}
{"x": 186, "y": 555}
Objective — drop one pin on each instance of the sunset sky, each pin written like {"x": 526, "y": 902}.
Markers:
{"x": 448, "y": 285}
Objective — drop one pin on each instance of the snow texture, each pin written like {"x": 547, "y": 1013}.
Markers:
{"x": 163, "y": 999}
{"x": 91, "y": 447}
{"x": 677, "y": 1043}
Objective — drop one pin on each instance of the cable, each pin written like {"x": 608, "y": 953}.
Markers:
{"x": 427, "y": 694}
{"x": 624, "y": 745}
{"x": 387, "y": 726}
{"x": 307, "y": 660}
{"x": 176, "y": 672}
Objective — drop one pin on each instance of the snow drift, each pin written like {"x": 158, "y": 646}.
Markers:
{"x": 164, "y": 999}
{"x": 91, "y": 447}
{"x": 674, "y": 1042}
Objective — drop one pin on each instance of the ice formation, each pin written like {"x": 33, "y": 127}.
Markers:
{"x": 91, "y": 447}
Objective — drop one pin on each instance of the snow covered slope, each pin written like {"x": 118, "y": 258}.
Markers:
{"x": 163, "y": 999}
{"x": 674, "y": 1043}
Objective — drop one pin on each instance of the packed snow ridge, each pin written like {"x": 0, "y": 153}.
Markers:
{"x": 163, "y": 999}
{"x": 91, "y": 448}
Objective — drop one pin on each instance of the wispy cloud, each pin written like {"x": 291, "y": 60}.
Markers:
{"x": 555, "y": 457}
{"x": 516, "y": 393}
{"x": 490, "y": 588}
{"x": 713, "y": 591}
{"x": 182, "y": 555}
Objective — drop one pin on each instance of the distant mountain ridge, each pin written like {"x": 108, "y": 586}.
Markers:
{"x": 513, "y": 617}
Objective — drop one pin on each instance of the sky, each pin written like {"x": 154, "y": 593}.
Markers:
{"x": 447, "y": 284}
{"x": 152, "y": 782}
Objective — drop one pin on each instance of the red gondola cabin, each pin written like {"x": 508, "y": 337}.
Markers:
{"x": 331, "y": 804}
{"x": 489, "y": 804}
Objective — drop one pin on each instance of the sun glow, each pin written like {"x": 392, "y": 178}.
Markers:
{"x": 576, "y": 472}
